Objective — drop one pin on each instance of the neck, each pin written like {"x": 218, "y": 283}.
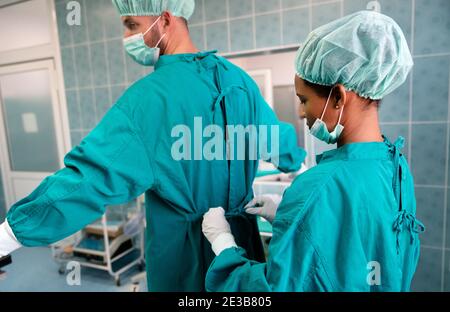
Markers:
{"x": 180, "y": 44}
{"x": 364, "y": 128}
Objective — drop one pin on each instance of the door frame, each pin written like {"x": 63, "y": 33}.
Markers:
{"x": 268, "y": 84}
{"x": 47, "y": 53}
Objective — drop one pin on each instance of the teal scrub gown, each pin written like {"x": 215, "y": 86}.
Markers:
{"x": 347, "y": 224}
{"x": 130, "y": 153}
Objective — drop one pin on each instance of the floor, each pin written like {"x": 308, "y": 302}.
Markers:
{"x": 33, "y": 269}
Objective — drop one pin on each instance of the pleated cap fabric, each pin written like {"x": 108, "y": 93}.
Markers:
{"x": 366, "y": 52}
{"x": 180, "y": 8}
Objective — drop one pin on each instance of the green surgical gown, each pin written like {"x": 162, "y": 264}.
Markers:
{"x": 130, "y": 153}
{"x": 347, "y": 224}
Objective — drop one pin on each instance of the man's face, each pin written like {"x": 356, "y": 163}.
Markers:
{"x": 140, "y": 24}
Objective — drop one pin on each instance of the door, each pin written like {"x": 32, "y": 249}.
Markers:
{"x": 263, "y": 78}
{"x": 31, "y": 132}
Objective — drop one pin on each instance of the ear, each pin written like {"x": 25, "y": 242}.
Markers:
{"x": 167, "y": 19}
{"x": 340, "y": 95}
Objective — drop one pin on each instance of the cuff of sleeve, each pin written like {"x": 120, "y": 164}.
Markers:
{"x": 222, "y": 242}
{"x": 8, "y": 241}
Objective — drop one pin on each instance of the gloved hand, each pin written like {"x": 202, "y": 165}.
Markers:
{"x": 265, "y": 206}
{"x": 8, "y": 242}
{"x": 217, "y": 230}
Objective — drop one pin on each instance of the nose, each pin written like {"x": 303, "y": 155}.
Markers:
{"x": 301, "y": 112}
{"x": 127, "y": 34}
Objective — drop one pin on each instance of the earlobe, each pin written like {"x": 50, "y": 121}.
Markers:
{"x": 338, "y": 100}
{"x": 341, "y": 96}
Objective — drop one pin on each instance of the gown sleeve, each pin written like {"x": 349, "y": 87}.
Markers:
{"x": 292, "y": 265}
{"x": 110, "y": 166}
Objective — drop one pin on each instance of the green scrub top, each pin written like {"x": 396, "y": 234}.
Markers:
{"x": 130, "y": 153}
{"x": 347, "y": 224}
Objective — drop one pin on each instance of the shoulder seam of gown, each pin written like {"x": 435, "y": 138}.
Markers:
{"x": 308, "y": 236}
{"x": 138, "y": 135}
{"x": 313, "y": 194}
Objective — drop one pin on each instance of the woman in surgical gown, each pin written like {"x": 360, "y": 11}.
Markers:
{"x": 349, "y": 223}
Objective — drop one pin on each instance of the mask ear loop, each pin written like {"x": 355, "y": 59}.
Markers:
{"x": 340, "y": 115}
{"x": 162, "y": 37}
{"x": 152, "y": 26}
{"x": 326, "y": 105}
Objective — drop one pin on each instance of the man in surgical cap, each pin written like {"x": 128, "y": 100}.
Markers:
{"x": 348, "y": 224}
{"x": 132, "y": 152}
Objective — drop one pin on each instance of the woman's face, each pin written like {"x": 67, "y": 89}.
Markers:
{"x": 311, "y": 104}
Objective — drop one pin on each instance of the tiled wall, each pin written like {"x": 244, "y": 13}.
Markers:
{"x": 97, "y": 71}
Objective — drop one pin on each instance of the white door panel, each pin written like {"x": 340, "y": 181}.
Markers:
{"x": 31, "y": 133}
{"x": 25, "y": 24}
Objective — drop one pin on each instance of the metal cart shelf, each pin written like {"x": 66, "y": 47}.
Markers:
{"x": 118, "y": 255}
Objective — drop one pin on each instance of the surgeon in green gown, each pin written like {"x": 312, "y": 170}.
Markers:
{"x": 137, "y": 149}
{"x": 349, "y": 223}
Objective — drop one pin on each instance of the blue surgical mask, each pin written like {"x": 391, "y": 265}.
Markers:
{"x": 320, "y": 129}
{"x": 139, "y": 51}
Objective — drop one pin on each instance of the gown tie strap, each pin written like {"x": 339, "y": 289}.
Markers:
{"x": 407, "y": 221}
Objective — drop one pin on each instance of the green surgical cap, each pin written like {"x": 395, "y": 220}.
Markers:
{"x": 180, "y": 8}
{"x": 366, "y": 52}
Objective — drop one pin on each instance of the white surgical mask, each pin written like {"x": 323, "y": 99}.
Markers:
{"x": 139, "y": 51}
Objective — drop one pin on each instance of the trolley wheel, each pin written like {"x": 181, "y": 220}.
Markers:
{"x": 118, "y": 281}
{"x": 62, "y": 270}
